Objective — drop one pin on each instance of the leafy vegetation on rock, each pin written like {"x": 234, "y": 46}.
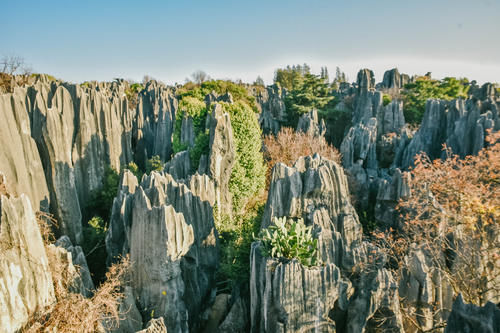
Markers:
{"x": 416, "y": 94}
{"x": 290, "y": 240}
{"x": 154, "y": 164}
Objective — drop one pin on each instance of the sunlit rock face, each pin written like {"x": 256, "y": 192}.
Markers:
{"x": 288, "y": 297}
{"x": 168, "y": 229}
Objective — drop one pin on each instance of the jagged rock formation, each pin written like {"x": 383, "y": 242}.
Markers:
{"x": 310, "y": 124}
{"x": 19, "y": 158}
{"x": 221, "y": 158}
{"x": 25, "y": 279}
{"x": 393, "y": 80}
{"x": 168, "y": 229}
{"x": 154, "y": 123}
{"x": 462, "y": 125}
{"x": 84, "y": 285}
{"x": 471, "y": 319}
{"x": 288, "y": 297}
{"x": 271, "y": 101}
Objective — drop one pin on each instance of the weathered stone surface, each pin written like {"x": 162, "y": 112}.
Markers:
{"x": 460, "y": 124}
{"x": 473, "y": 319}
{"x": 154, "y": 123}
{"x": 130, "y": 317}
{"x": 221, "y": 157}
{"x": 19, "y": 158}
{"x": 360, "y": 145}
{"x": 310, "y": 124}
{"x": 388, "y": 196}
{"x": 365, "y": 80}
{"x": 217, "y": 312}
{"x": 271, "y": 102}
{"x": 427, "y": 294}
{"x": 156, "y": 325}
{"x": 179, "y": 166}
{"x": 187, "y": 132}
{"x": 394, "y": 80}
{"x": 25, "y": 279}
{"x": 169, "y": 230}
{"x": 288, "y": 297}
{"x": 237, "y": 320}
{"x": 118, "y": 235}
{"x": 78, "y": 259}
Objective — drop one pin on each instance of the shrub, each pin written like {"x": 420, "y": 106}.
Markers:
{"x": 235, "y": 241}
{"x": 189, "y": 107}
{"x": 101, "y": 200}
{"x": 289, "y": 145}
{"x": 386, "y": 99}
{"x": 249, "y": 172}
{"x": 135, "y": 170}
{"x": 154, "y": 164}
{"x": 290, "y": 240}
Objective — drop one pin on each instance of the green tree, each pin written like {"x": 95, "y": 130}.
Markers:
{"x": 312, "y": 92}
{"x": 154, "y": 164}
{"x": 416, "y": 94}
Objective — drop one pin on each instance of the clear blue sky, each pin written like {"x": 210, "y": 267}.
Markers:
{"x": 88, "y": 39}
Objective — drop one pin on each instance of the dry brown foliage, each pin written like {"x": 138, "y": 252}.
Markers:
{"x": 289, "y": 145}
{"x": 72, "y": 312}
{"x": 453, "y": 215}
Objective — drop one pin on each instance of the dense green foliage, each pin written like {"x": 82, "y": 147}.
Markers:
{"x": 386, "y": 99}
{"x": 290, "y": 77}
{"x": 94, "y": 231}
{"x": 415, "y": 95}
{"x": 94, "y": 247}
{"x": 291, "y": 240}
{"x": 249, "y": 172}
{"x": 101, "y": 200}
{"x": 154, "y": 164}
{"x": 306, "y": 91}
{"x": 236, "y": 238}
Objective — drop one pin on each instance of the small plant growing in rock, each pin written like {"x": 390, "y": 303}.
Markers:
{"x": 291, "y": 240}
{"x": 154, "y": 164}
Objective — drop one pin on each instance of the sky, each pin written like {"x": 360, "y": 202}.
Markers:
{"x": 169, "y": 40}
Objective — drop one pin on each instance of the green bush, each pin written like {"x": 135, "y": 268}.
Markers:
{"x": 189, "y": 107}
{"x": 386, "y": 99}
{"x": 249, "y": 172}
{"x": 201, "y": 146}
{"x": 101, "y": 200}
{"x": 154, "y": 164}
{"x": 290, "y": 240}
{"x": 135, "y": 170}
{"x": 235, "y": 242}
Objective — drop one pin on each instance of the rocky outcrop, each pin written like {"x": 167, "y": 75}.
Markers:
{"x": 271, "y": 102}
{"x": 365, "y": 80}
{"x": 390, "y": 191}
{"x": 168, "y": 228}
{"x": 25, "y": 278}
{"x": 84, "y": 285}
{"x": 310, "y": 124}
{"x": 288, "y": 297}
{"x": 221, "y": 157}
{"x": 393, "y": 80}
{"x": 238, "y": 319}
{"x": 426, "y": 292}
{"x": 154, "y": 123}
{"x": 19, "y": 158}
{"x": 471, "y": 319}
{"x": 179, "y": 166}
{"x": 460, "y": 124}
